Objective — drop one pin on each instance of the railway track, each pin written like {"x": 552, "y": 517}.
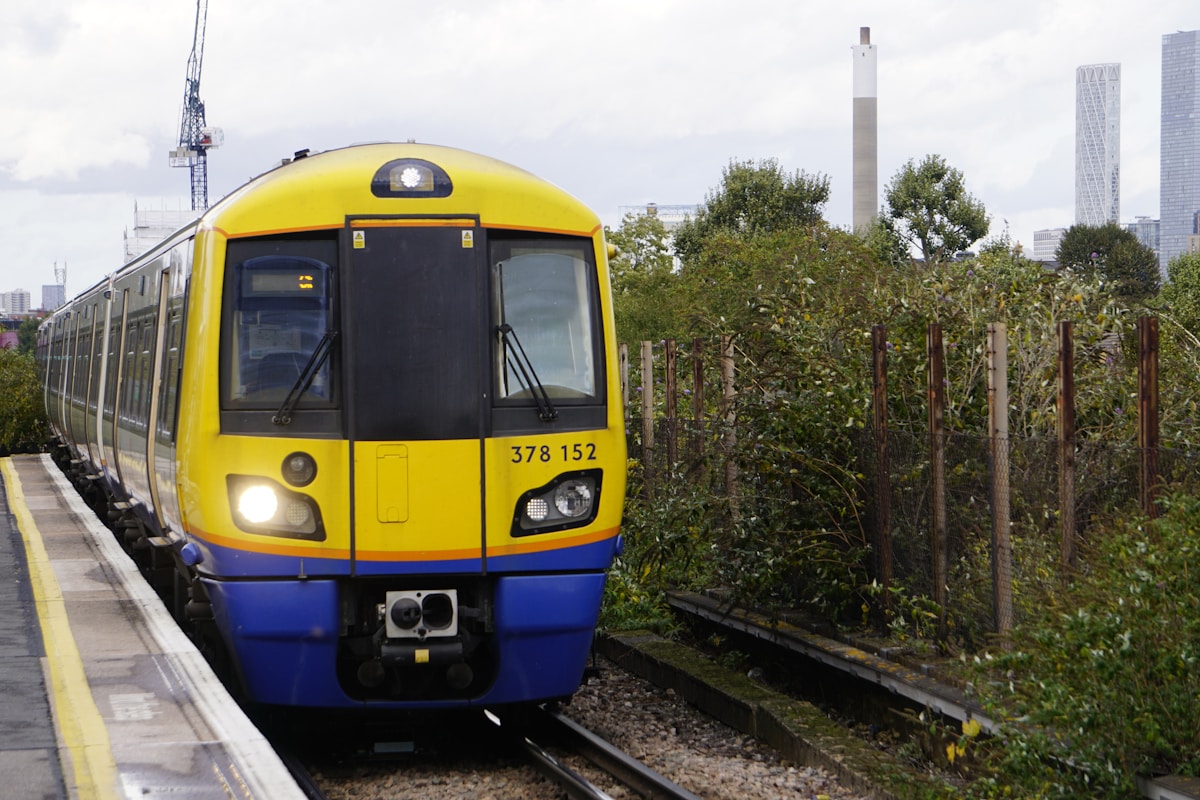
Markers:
{"x": 546, "y": 730}
{"x": 538, "y": 751}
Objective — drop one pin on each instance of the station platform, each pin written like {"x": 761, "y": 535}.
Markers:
{"x": 101, "y": 694}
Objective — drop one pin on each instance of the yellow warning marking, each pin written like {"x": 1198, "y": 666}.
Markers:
{"x": 79, "y": 722}
{"x": 421, "y": 656}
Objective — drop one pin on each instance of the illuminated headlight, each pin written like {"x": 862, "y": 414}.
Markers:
{"x": 265, "y": 507}
{"x": 569, "y": 501}
{"x": 257, "y": 504}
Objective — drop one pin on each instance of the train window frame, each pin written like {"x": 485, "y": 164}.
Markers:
{"x": 316, "y": 415}
{"x": 517, "y": 410}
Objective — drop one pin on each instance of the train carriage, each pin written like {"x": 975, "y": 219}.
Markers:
{"x": 367, "y": 408}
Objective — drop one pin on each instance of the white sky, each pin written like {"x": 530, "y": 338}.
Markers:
{"x": 620, "y": 102}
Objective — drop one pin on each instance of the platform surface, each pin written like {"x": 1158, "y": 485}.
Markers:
{"x": 101, "y": 694}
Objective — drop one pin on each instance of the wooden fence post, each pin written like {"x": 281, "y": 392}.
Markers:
{"x": 997, "y": 356}
{"x": 623, "y": 361}
{"x": 672, "y": 432}
{"x": 697, "y": 398}
{"x": 648, "y": 416}
{"x": 729, "y": 415}
{"x": 936, "y": 357}
{"x": 1066, "y": 443}
{"x": 883, "y": 485}
{"x": 1148, "y": 476}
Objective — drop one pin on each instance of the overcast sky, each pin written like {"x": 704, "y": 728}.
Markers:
{"x": 620, "y": 102}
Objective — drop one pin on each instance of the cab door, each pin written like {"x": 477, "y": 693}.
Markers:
{"x": 415, "y": 326}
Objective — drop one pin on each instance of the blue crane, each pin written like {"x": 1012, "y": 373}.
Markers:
{"x": 195, "y": 137}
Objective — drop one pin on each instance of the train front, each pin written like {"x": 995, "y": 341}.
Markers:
{"x": 402, "y": 473}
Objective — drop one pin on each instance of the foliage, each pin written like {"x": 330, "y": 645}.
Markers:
{"x": 1111, "y": 254}
{"x": 927, "y": 205}
{"x": 23, "y": 425}
{"x": 1180, "y": 298}
{"x": 27, "y": 335}
{"x": 644, "y": 282}
{"x": 1106, "y": 674}
{"x": 754, "y": 198}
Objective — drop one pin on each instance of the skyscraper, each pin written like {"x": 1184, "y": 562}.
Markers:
{"x": 1179, "y": 144}
{"x": 1098, "y": 144}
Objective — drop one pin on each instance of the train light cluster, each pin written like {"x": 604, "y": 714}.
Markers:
{"x": 569, "y": 501}
{"x": 263, "y": 506}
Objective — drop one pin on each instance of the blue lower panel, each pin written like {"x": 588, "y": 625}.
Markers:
{"x": 284, "y": 637}
{"x": 544, "y": 628}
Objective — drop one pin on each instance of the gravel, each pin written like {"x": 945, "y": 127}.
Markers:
{"x": 700, "y": 754}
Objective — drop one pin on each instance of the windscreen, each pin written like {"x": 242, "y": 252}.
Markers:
{"x": 281, "y": 309}
{"x": 544, "y": 293}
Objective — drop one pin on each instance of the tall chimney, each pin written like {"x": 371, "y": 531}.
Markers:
{"x": 866, "y": 135}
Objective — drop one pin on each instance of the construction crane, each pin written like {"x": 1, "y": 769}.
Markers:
{"x": 195, "y": 137}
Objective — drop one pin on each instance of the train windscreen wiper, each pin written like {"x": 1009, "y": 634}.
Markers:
{"x": 319, "y": 354}
{"x": 518, "y": 360}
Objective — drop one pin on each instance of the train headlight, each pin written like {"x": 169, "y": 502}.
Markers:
{"x": 257, "y": 504}
{"x": 573, "y": 498}
{"x": 569, "y": 501}
{"x": 265, "y": 507}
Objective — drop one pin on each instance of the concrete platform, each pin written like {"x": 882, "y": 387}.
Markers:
{"x": 101, "y": 694}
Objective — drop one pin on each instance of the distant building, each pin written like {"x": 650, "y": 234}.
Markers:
{"x": 54, "y": 296}
{"x": 1098, "y": 144}
{"x": 1045, "y": 243}
{"x": 15, "y": 302}
{"x": 1179, "y": 144}
{"x": 151, "y": 226}
{"x": 670, "y": 216}
{"x": 1146, "y": 231}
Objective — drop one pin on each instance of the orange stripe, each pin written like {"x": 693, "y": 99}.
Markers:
{"x": 566, "y": 231}
{"x": 307, "y": 551}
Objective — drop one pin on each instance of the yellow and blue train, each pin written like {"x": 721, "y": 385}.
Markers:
{"x": 365, "y": 415}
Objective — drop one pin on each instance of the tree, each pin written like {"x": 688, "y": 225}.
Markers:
{"x": 1113, "y": 254}
{"x": 754, "y": 198}
{"x": 643, "y": 279}
{"x": 27, "y": 335}
{"x": 927, "y": 205}
{"x": 1181, "y": 296}
{"x": 23, "y": 426}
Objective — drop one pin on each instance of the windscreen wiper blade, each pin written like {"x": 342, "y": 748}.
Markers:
{"x": 517, "y": 358}
{"x": 321, "y": 352}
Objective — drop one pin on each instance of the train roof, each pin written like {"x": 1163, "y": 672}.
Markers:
{"x": 315, "y": 191}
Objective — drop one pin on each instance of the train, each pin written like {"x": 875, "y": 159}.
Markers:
{"x": 361, "y": 420}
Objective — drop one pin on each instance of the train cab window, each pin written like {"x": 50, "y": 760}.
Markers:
{"x": 545, "y": 307}
{"x": 278, "y": 310}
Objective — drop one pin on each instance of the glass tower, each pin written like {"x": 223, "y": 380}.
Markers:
{"x": 1179, "y": 145}
{"x": 1098, "y": 144}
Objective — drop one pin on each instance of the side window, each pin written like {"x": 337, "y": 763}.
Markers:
{"x": 278, "y": 309}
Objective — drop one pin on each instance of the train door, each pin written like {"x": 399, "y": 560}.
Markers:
{"x": 415, "y": 332}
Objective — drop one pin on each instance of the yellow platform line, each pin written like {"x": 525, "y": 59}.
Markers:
{"x": 84, "y": 734}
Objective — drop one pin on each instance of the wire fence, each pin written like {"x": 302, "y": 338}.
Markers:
{"x": 759, "y": 506}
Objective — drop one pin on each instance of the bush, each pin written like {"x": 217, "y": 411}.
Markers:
{"x": 1106, "y": 677}
{"x": 23, "y": 424}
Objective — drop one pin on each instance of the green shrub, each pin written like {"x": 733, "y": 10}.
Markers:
{"x": 1106, "y": 677}
{"x": 23, "y": 425}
